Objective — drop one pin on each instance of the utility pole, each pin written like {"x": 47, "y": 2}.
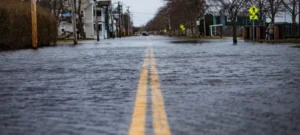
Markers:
{"x": 34, "y": 24}
{"x": 112, "y": 22}
{"x": 107, "y": 22}
{"x": 128, "y": 21}
{"x": 222, "y": 17}
{"x": 204, "y": 26}
{"x": 120, "y": 18}
{"x": 169, "y": 20}
{"x": 96, "y": 20}
{"x": 74, "y": 21}
{"x": 123, "y": 23}
{"x": 299, "y": 18}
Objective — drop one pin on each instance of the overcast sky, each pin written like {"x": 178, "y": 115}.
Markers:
{"x": 142, "y": 10}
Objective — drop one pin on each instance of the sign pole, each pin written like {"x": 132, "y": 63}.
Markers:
{"x": 253, "y": 30}
{"x": 34, "y": 24}
{"x": 253, "y": 10}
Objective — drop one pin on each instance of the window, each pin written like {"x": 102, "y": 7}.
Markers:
{"x": 82, "y": 13}
{"x": 100, "y": 27}
{"x": 98, "y": 13}
{"x": 229, "y": 19}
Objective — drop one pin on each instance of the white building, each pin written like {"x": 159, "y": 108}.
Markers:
{"x": 89, "y": 19}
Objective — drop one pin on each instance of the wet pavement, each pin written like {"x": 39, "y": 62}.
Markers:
{"x": 209, "y": 87}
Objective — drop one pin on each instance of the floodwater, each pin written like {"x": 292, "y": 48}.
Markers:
{"x": 210, "y": 87}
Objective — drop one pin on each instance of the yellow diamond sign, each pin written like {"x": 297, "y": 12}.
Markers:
{"x": 253, "y": 17}
{"x": 182, "y": 27}
{"x": 253, "y": 10}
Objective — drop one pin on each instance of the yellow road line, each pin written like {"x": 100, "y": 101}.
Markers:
{"x": 138, "y": 121}
{"x": 160, "y": 122}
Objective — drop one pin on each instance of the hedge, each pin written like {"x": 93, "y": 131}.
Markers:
{"x": 15, "y": 25}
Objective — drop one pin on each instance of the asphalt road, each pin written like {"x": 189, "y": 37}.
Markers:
{"x": 151, "y": 85}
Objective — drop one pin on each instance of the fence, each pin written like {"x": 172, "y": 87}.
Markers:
{"x": 281, "y": 31}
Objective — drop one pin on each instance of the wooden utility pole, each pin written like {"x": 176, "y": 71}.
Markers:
{"x": 34, "y": 24}
{"x": 74, "y": 21}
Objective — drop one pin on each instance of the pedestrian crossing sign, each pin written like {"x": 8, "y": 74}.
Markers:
{"x": 182, "y": 27}
{"x": 253, "y": 17}
{"x": 253, "y": 10}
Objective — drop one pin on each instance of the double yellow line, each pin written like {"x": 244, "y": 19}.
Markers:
{"x": 160, "y": 122}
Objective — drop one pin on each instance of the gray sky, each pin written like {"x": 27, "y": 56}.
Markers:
{"x": 142, "y": 10}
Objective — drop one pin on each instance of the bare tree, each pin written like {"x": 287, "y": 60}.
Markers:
{"x": 56, "y": 7}
{"x": 80, "y": 23}
{"x": 274, "y": 6}
{"x": 233, "y": 8}
{"x": 292, "y": 8}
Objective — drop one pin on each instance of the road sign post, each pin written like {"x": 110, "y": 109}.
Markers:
{"x": 253, "y": 16}
{"x": 253, "y": 35}
{"x": 182, "y": 28}
{"x": 67, "y": 15}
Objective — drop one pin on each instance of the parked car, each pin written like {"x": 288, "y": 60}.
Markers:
{"x": 145, "y": 34}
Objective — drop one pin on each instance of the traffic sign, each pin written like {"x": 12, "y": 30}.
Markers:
{"x": 165, "y": 30}
{"x": 67, "y": 14}
{"x": 253, "y": 17}
{"x": 253, "y": 10}
{"x": 182, "y": 27}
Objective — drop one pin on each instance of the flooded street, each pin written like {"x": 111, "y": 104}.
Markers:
{"x": 208, "y": 87}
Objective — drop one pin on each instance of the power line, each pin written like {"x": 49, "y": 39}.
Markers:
{"x": 142, "y": 13}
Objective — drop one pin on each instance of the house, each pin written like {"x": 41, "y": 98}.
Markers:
{"x": 88, "y": 10}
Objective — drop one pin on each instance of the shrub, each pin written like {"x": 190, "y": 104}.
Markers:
{"x": 15, "y": 25}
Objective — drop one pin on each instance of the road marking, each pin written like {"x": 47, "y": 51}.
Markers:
{"x": 160, "y": 122}
{"x": 138, "y": 121}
